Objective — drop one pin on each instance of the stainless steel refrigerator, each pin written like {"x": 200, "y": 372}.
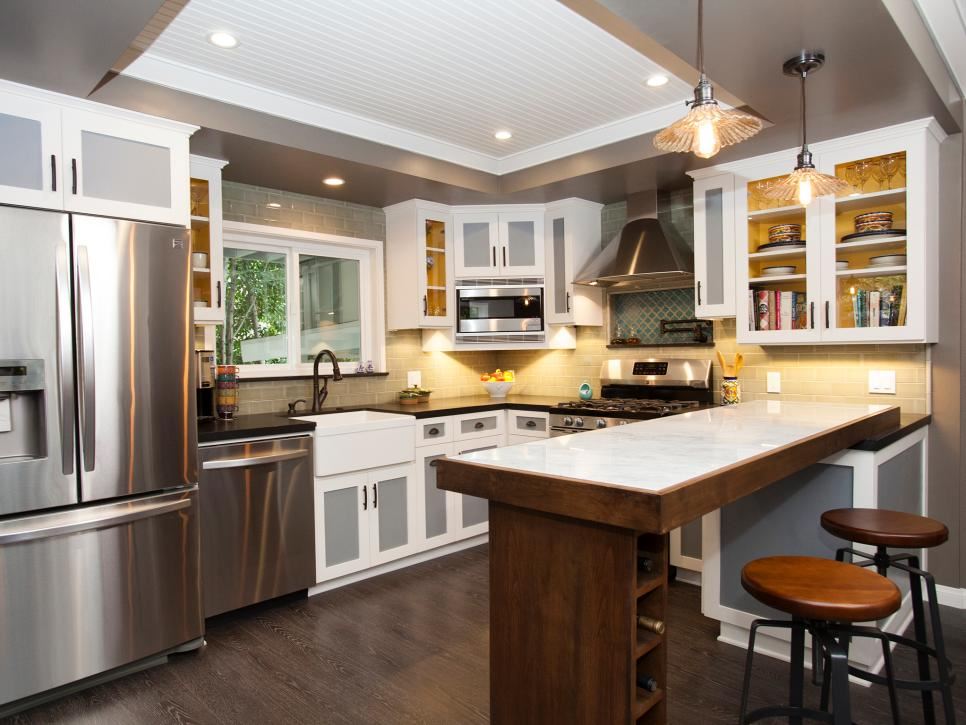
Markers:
{"x": 99, "y": 539}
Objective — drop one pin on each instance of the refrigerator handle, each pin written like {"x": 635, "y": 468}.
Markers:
{"x": 85, "y": 519}
{"x": 64, "y": 353}
{"x": 85, "y": 373}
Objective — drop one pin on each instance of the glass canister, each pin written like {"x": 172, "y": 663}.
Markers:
{"x": 730, "y": 391}
{"x": 226, "y": 391}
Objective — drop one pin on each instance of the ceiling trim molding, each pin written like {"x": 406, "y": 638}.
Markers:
{"x": 181, "y": 77}
{"x": 946, "y": 22}
{"x": 211, "y": 85}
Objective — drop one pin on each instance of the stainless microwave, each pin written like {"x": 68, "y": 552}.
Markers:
{"x": 515, "y": 311}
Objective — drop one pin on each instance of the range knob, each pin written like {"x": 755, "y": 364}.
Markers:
{"x": 579, "y": 422}
{"x": 601, "y": 423}
{"x": 568, "y": 420}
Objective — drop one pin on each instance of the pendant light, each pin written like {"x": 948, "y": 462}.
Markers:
{"x": 804, "y": 183}
{"x": 707, "y": 127}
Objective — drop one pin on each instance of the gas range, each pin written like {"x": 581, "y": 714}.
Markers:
{"x": 633, "y": 390}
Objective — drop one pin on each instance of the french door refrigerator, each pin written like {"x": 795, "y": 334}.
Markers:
{"x": 99, "y": 539}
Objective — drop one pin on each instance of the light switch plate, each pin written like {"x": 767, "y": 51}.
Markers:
{"x": 414, "y": 377}
{"x": 882, "y": 382}
{"x": 6, "y": 422}
{"x": 774, "y": 382}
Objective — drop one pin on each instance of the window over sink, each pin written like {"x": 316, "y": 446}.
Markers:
{"x": 290, "y": 294}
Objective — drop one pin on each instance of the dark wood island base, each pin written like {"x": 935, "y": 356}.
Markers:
{"x": 576, "y": 622}
{"x": 565, "y": 597}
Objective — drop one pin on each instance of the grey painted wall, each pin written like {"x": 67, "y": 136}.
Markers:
{"x": 947, "y": 435}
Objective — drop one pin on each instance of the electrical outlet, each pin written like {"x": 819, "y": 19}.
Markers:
{"x": 6, "y": 422}
{"x": 774, "y": 382}
{"x": 414, "y": 377}
{"x": 882, "y": 382}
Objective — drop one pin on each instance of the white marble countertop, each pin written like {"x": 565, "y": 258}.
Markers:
{"x": 655, "y": 455}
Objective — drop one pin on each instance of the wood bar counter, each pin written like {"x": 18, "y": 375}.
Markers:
{"x": 573, "y": 519}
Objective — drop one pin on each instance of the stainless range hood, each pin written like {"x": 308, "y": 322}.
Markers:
{"x": 649, "y": 253}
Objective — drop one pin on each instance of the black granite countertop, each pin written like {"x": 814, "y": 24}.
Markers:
{"x": 270, "y": 424}
{"x": 251, "y": 426}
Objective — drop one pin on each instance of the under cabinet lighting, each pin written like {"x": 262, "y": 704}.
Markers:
{"x": 274, "y": 205}
{"x": 222, "y": 39}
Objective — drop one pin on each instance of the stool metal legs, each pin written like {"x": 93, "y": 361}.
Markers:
{"x": 924, "y": 651}
{"x": 835, "y": 653}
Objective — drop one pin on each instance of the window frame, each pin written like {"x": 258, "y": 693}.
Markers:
{"x": 292, "y": 243}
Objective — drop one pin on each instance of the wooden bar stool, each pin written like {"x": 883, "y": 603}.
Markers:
{"x": 824, "y": 599}
{"x": 883, "y": 529}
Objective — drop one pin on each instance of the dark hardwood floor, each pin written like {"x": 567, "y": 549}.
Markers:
{"x": 411, "y": 647}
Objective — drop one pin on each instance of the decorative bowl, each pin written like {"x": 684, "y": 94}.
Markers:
{"x": 497, "y": 390}
{"x": 783, "y": 232}
{"x": 873, "y": 221}
{"x": 842, "y": 264}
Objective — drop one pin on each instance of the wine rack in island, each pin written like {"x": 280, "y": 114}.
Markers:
{"x": 649, "y": 648}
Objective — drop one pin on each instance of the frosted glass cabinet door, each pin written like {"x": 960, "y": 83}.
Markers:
{"x": 714, "y": 247}
{"x": 342, "y": 526}
{"x": 435, "y": 501}
{"x": 121, "y": 168}
{"x": 30, "y": 159}
{"x": 521, "y": 245}
{"x": 392, "y": 514}
{"x": 473, "y": 516}
{"x": 476, "y": 245}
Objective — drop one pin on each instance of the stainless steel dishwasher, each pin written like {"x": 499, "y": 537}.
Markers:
{"x": 257, "y": 521}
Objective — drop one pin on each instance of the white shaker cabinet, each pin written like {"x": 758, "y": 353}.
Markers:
{"x": 30, "y": 172}
{"x": 493, "y": 243}
{"x": 64, "y": 153}
{"x": 419, "y": 260}
{"x": 714, "y": 247}
{"x": 572, "y": 232}
{"x": 364, "y": 519}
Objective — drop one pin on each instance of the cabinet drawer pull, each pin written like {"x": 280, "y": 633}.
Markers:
{"x": 433, "y": 431}
{"x": 826, "y": 314}
{"x": 812, "y": 313}
{"x": 699, "y": 292}
{"x": 365, "y": 498}
{"x": 218, "y": 290}
{"x": 375, "y": 496}
{"x": 73, "y": 173}
{"x": 531, "y": 424}
{"x": 425, "y": 306}
{"x": 494, "y": 256}
{"x": 479, "y": 425}
{"x": 504, "y": 256}
{"x": 434, "y": 463}
{"x": 53, "y": 172}
{"x": 568, "y": 302}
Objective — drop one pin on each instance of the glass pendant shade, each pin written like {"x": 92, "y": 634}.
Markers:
{"x": 706, "y": 129}
{"x": 804, "y": 184}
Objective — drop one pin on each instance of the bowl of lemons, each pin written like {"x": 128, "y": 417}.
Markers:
{"x": 498, "y": 383}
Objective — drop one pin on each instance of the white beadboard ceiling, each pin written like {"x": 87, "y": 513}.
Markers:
{"x": 436, "y": 77}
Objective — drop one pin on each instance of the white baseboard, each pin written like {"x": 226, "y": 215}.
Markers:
{"x": 951, "y": 597}
{"x": 399, "y": 564}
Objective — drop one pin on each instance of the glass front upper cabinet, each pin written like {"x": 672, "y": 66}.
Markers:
{"x": 780, "y": 268}
{"x": 435, "y": 283}
{"x": 873, "y": 247}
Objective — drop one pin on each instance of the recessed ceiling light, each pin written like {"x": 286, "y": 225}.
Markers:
{"x": 222, "y": 39}
{"x": 274, "y": 205}
{"x": 502, "y": 135}
{"x": 657, "y": 80}
{"x": 333, "y": 181}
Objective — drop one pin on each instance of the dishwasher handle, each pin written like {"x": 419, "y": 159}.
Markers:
{"x": 254, "y": 460}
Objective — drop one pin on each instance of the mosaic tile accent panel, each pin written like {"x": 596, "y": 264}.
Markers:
{"x": 639, "y": 314}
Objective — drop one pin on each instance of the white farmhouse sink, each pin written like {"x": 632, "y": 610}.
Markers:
{"x": 360, "y": 439}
